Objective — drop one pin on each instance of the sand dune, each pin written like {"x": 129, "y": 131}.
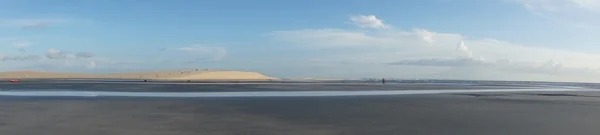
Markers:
{"x": 151, "y": 75}
{"x": 225, "y": 75}
{"x": 317, "y": 79}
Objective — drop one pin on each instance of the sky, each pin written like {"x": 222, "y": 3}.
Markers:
{"x": 539, "y": 40}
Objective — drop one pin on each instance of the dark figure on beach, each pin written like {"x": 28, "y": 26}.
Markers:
{"x": 189, "y": 81}
{"x": 383, "y": 80}
{"x": 145, "y": 80}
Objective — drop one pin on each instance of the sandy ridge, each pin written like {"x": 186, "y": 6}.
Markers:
{"x": 149, "y": 75}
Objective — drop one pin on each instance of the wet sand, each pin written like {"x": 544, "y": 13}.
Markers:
{"x": 216, "y": 87}
{"x": 531, "y": 113}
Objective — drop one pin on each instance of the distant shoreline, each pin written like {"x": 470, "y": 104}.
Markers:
{"x": 483, "y": 82}
{"x": 165, "y": 80}
{"x": 175, "y": 75}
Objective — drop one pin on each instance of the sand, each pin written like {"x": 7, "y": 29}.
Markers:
{"x": 379, "y": 115}
{"x": 150, "y": 75}
{"x": 233, "y": 87}
{"x": 314, "y": 79}
{"x": 225, "y": 75}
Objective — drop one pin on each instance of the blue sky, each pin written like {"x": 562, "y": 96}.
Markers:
{"x": 457, "y": 39}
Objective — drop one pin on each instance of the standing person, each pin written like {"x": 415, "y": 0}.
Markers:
{"x": 383, "y": 80}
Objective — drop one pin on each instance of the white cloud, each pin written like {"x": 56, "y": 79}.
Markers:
{"x": 408, "y": 48}
{"x": 69, "y": 65}
{"x": 367, "y": 21}
{"x": 84, "y": 55}
{"x": 426, "y": 35}
{"x": 91, "y": 64}
{"x": 21, "y": 44}
{"x": 463, "y": 48}
{"x": 330, "y": 38}
{"x": 452, "y": 62}
{"x": 56, "y": 54}
{"x": 327, "y": 38}
{"x": 402, "y": 45}
{"x": 60, "y": 60}
{"x": 200, "y": 52}
{"x": 18, "y": 58}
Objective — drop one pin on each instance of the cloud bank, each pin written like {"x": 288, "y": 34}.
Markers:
{"x": 57, "y": 54}
{"x": 367, "y": 21}
{"x": 446, "y": 52}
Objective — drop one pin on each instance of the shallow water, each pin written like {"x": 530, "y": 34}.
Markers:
{"x": 128, "y": 108}
{"x": 69, "y": 93}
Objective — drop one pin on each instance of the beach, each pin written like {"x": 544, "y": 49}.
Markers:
{"x": 470, "y": 113}
{"x": 424, "y": 114}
